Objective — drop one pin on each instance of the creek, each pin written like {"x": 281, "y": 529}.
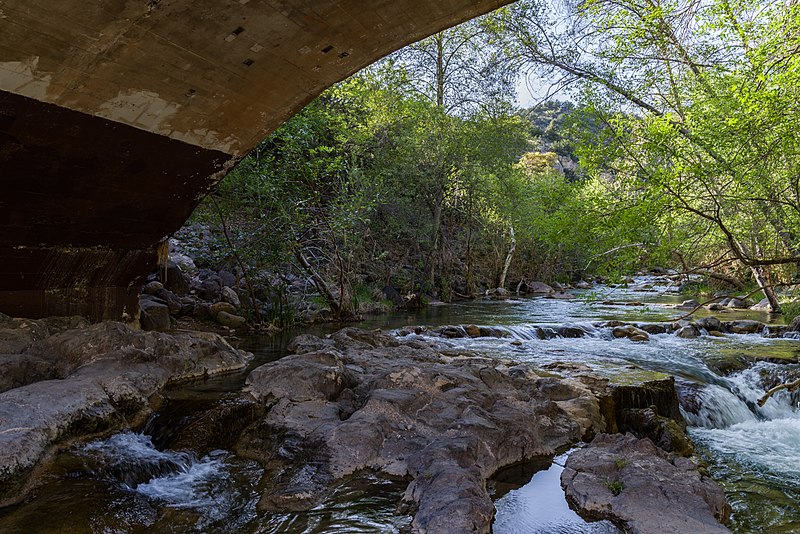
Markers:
{"x": 133, "y": 482}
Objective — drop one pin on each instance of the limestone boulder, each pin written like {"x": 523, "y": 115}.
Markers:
{"x": 371, "y": 401}
{"x": 154, "y": 314}
{"x": 630, "y": 332}
{"x": 218, "y": 307}
{"x": 229, "y": 295}
{"x": 744, "y": 326}
{"x": 106, "y": 372}
{"x": 230, "y": 320}
{"x": 634, "y": 483}
{"x": 539, "y": 288}
{"x": 688, "y": 332}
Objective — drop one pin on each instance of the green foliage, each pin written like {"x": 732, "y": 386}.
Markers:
{"x": 698, "y": 105}
{"x": 418, "y": 173}
{"x": 615, "y": 486}
{"x": 790, "y": 310}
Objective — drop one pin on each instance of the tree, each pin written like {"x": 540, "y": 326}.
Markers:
{"x": 458, "y": 70}
{"x": 700, "y": 100}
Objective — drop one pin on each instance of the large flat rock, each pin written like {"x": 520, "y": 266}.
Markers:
{"x": 364, "y": 400}
{"x": 643, "y": 488}
{"x": 84, "y": 381}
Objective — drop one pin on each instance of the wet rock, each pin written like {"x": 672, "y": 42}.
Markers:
{"x": 688, "y": 332}
{"x": 654, "y": 329}
{"x": 539, "y": 288}
{"x": 405, "y": 409}
{"x": 689, "y": 304}
{"x": 229, "y": 295}
{"x": 491, "y": 331}
{"x": 107, "y": 372}
{"x": 630, "y": 332}
{"x": 728, "y": 364}
{"x": 561, "y": 295}
{"x": 744, "y": 327}
{"x": 632, "y": 482}
{"x": 472, "y": 330}
{"x": 217, "y": 427}
{"x": 230, "y": 320}
{"x": 154, "y": 315}
{"x": 709, "y": 324}
{"x": 451, "y": 332}
{"x": 762, "y": 305}
{"x": 773, "y": 331}
{"x": 610, "y": 324}
{"x": 569, "y": 331}
{"x": 690, "y": 396}
{"x": 665, "y": 433}
{"x": 630, "y": 388}
{"x": 583, "y": 285}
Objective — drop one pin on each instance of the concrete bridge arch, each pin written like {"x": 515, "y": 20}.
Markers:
{"x": 118, "y": 116}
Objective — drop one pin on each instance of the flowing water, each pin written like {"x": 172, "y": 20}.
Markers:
{"x": 131, "y": 482}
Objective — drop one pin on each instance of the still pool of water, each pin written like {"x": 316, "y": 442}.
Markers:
{"x": 130, "y": 483}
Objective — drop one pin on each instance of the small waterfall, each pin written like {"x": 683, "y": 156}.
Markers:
{"x": 548, "y": 331}
{"x": 177, "y": 478}
{"x": 730, "y": 422}
{"x": 734, "y": 399}
{"x": 132, "y": 459}
{"x": 714, "y": 406}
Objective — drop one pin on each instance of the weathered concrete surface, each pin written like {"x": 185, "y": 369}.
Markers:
{"x": 117, "y": 117}
{"x": 82, "y": 381}
{"x": 648, "y": 491}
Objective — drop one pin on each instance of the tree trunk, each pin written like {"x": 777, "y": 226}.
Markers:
{"x": 728, "y": 279}
{"x": 320, "y": 283}
{"x": 762, "y": 278}
{"x": 469, "y": 278}
{"x": 440, "y": 70}
{"x": 502, "y": 281}
{"x": 435, "y": 243}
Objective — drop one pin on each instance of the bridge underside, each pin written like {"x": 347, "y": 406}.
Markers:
{"x": 118, "y": 116}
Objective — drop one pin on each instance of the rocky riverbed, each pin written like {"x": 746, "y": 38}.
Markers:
{"x": 419, "y": 410}
{"x": 447, "y": 420}
{"x": 65, "y": 380}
